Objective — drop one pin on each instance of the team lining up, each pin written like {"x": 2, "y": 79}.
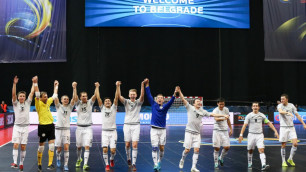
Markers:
{"x": 58, "y": 135}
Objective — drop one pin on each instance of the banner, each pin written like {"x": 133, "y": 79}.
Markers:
{"x": 295, "y": 120}
{"x": 9, "y": 119}
{"x": 32, "y": 31}
{"x": 167, "y": 13}
{"x": 1, "y": 120}
{"x": 284, "y": 30}
{"x": 239, "y": 117}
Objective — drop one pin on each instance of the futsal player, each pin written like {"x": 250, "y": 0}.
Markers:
{"x": 192, "y": 139}
{"x": 158, "y": 124}
{"x": 220, "y": 133}
{"x": 131, "y": 128}
{"x": 62, "y": 127}
{"x": 109, "y": 132}
{"x": 83, "y": 132}
{"x": 287, "y": 131}
{"x": 255, "y": 120}
{"x": 21, "y": 125}
{"x": 46, "y": 130}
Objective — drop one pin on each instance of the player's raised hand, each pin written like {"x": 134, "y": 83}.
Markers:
{"x": 97, "y": 84}
{"x": 56, "y": 83}
{"x": 118, "y": 83}
{"x": 240, "y": 139}
{"x": 74, "y": 84}
{"x": 35, "y": 79}
{"x": 15, "y": 81}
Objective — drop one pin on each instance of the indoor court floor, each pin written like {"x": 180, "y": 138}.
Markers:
{"x": 235, "y": 161}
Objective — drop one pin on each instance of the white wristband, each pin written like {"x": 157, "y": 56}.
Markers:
{"x": 35, "y": 84}
{"x": 37, "y": 94}
{"x": 56, "y": 87}
{"x": 54, "y": 96}
{"x": 241, "y": 135}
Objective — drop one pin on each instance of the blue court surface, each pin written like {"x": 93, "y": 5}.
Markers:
{"x": 236, "y": 159}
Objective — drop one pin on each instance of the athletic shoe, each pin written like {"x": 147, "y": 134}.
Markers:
{"x": 216, "y": 165}
{"x": 13, "y": 165}
{"x": 51, "y": 167}
{"x": 194, "y": 169}
{"x": 107, "y": 168}
{"x": 155, "y": 167}
{"x": 78, "y": 163}
{"x": 112, "y": 163}
{"x": 265, "y": 167}
{"x": 85, "y": 167}
{"x": 158, "y": 165}
{"x": 39, "y": 168}
{"x": 58, "y": 163}
{"x": 129, "y": 162}
{"x": 66, "y": 168}
{"x": 221, "y": 161}
{"x": 181, "y": 165}
{"x": 20, "y": 167}
{"x": 284, "y": 164}
{"x": 290, "y": 161}
{"x": 249, "y": 165}
{"x": 134, "y": 167}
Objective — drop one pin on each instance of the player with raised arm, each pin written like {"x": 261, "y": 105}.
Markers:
{"x": 46, "y": 129}
{"x": 287, "y": 131}
{"x": 192, "y": 139}
{"x": 220, "y": 133}
{"x": 109, "y": 132}
{"x": 62, "y": 127}
{"x": 83, "y": 132}
{"x": 131, "y": 128}
{"x": 158, "y": 124}
{"x": 255, "y": 120}
{"x": 21, "y": 126}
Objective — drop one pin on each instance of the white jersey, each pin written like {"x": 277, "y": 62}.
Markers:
{"x": 255, "y": 121}
{"x": 132, "y": 110}
{"x": 84, "y": 111}
{"x": 63, "y": 116}
{"x": 109, "y": 117}
{"x": 195, "y": 118}
{"x": 22, "y": 112}
{"x": 221, "y": 125}
{"x": 286, "y": 120}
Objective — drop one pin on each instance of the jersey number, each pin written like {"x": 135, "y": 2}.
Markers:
{"x": 84, "y": 109}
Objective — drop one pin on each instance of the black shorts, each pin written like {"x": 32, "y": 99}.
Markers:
{"x": 46, "y": 132}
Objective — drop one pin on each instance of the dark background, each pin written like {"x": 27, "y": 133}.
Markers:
{"x": 187, "y": 57}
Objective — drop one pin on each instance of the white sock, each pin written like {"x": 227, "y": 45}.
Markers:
{"x": 134, "y": 155}
{"x": 283, "y": 154}
{"x": 223, "y": 153}
{"x": 15, "y": 155}
{"x": 112, "y": 156}
{"x": 86, "y": 156}
{"x": 195, "y": 159}
{"x": 250, "y": 157}
{"x": 154, "y": 156}
{"x": 262, "y": 159}
{"x": 105, "y": 157}
{"x": 216, "y": 155}
{"x": 66, "y": 156}
{"x": 79, "y": 154}
{"x": 292, "y": 152}
{"x": 184, "y": 154}
{"x": 22, "y": 156}
{"x": 128, "y": 153}
{"x": 161, "y": 155}
{"x": 58, "y": 155}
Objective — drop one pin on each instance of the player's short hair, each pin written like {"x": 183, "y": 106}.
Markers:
{"x": 65, "y": 96}
{"x": 133, "y": 90}
{"x": 160, "y": 95}
{"x": 195, "y": 100}
{"x": 256, "y": 103}
{"x": 105, "y": 98}
{"x": 42, "y": 93}
{"x": 220, "y": 100}
{"x": 21, "y": 92}
{"x": 83, "y": 92}
{"x": 285, "y": 95}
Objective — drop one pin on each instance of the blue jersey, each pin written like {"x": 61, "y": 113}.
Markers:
{"x": 159, "y": 112}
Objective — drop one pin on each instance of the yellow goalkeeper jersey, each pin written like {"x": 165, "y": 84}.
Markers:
{"x": 43, "y": 111}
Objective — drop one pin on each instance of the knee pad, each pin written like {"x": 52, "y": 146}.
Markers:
{"x": 154, "y": 149}
{"x": 41, "y": 149}
{"x": 51, "y": 147}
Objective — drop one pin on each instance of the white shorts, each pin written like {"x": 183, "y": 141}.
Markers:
{"x": 62, "y": 137}
{"x": 109, "y": 138}
{"x": 20, "y": 134}
{"x": 192, "y": 140}
{"x": 220, "y": 138}
{"x": 255, "y": 140}
{"x": 158, "y": 136}
{"x": 131, "y": 132}
{"x": 287, "y": 133}
{"x": 83, "y": 136}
